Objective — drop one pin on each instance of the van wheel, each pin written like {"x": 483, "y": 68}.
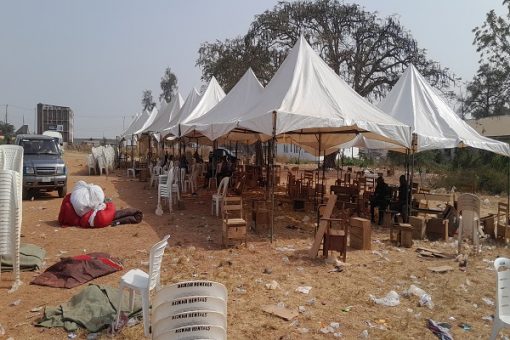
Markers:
{"x": 62, "y": 191}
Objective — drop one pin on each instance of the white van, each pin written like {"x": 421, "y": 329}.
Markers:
{"x": 56, "y": 135}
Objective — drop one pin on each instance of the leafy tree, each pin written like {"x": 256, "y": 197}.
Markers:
{"x": 147, "y": 101}
{"x": 7, "y": 130}
{"x": 370, "y": 53}
{"x": 168, "y": 85}
{"x": 488, "y": 92}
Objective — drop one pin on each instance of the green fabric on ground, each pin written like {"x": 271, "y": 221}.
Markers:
{"x": 31, "y": 258}
{"x": 94, "y": 308}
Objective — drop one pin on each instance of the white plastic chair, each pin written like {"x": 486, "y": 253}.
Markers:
{"x": 91, "y": 163}
{"x": 194, "y": 332}
{"x": 155, "y": 173}
{"x": 190, "y": 288}
{"x": 468, "y": 206}
{"x": 502, "y": 317}
{"x": 11, "y": 159}
{"x": 189, "y": 304}
{"x": 136, "y": 280}
{"x": 217, "y": 198}
{"x": 194, "y": 318}
{"x": 166, "y": 187}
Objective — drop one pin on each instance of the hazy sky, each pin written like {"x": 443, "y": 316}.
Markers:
{"x": 98, "y": 56}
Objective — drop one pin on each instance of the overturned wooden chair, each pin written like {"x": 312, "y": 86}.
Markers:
{"x": 234, "y": 225}
{"x": 502, "y": 225}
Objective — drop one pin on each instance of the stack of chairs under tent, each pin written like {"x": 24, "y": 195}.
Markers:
{"x": 11, "y": 193}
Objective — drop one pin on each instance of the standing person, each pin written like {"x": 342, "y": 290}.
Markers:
{"x": 196, "y": 169}
{"x": 403, "y": 196}
{"x": 381, "y": 199}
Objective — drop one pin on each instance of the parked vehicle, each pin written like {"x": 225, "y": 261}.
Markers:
{"x": 43, "y": 166}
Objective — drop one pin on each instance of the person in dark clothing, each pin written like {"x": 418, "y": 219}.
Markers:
{"x": 381, "y": 199}
{"x": 403, "y": 196}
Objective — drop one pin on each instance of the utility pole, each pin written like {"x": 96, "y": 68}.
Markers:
{"x": 6, "y": 107}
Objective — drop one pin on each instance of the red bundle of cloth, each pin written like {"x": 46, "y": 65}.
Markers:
{"x": 91, "y": 219}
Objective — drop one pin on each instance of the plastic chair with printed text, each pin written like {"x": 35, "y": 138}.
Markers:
{"x": 136, "y": 280}
{"x": 502, "y": 317}
{"x": 188, "y": 304}
{"x": 186, "y": 319}
{"x": 194, "y": 332}
{"x": 217, "y": 198}
{"x": 190, "y": 288}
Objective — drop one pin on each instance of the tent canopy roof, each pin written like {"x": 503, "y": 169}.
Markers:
{"x": 166, "y": 111}
{"x": 413, "y": 101}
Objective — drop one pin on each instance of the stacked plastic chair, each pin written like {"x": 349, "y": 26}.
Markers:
{"x": 190, "y": 310}
{"x": 11, "y": 193}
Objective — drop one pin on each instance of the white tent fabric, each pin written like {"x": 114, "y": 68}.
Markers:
{"x": 311, "y": 99}
{"x": 137, "y": 123}
{"x": 152, "y": 116}
{"x": 211, "y": 96}
{"x": 365, "y": 143}
{"x": 166, "y": 111}
{"x": 414, "y": 102}
{"x": 189, "y": 105}
{"x": 223, "y": 117}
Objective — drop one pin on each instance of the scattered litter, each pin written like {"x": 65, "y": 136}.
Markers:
{"x": 390, "y": 300}
{"x": 301, "y": 309}
{"x": 2, "y": 330}
{"x": 326, "y": 330}
{"x": 281, "y": 312}
{"x": 92, "y": 336}
{"x": 337, "y": 335}
{"x": 489, "y": 318}
{"x": 441, "y": 330}
{"x": 267, "y": 270}
{"x": 346, "y": 309}
{"x": 379, "y": 324}
{"x": 285, "y": 259}
{"x": 451, "y": 318}
{"x": 303, "y": 289}
{"x": 440, "y": 269}
{"x": 334, "y": 325}
{"x": 294, "y": 323}
{"x": 71, "y": 335}
{"x": 272, "y": 285}
{"x": 488, "y": 301}
{"x": 311, "y": 302}
{"x": 426, "y": 252}
{"x": 36, "y": 309}
{"x": 425, "y": 299}
{"x": 466, "y": 327}
{"x": 303, "y": 330}
{"x": 240, "y": 290}
{"x": 364, "y": 334}
{"x": 378, "y": 253}
{"x": 306, "y": 219}
{"x": 338, "y": 269}
{"x": 15, "y": 303}
{"x": 285, "y": 249}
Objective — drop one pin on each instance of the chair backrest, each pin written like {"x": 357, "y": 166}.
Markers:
{"x": 170, "y": 176}
{"x": 11, "y": 158}
{"x": 194, "y": 332}
{"x": 232, "y": 205}
{"x": 190, "y": 288}
{"x": 189, "y": 304}
{"x": 468, "y": 206}
{"x": 156, "y": 257}
{"x": 199, "y": 317}
{"x": 222, "y": 188}
{"x": 502, "y": 219}
{"x": 502, "y": 266}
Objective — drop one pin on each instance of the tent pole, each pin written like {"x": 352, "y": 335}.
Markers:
{"x": 508, "y": 187}
{"x": 414, "y": 144}
{"x": 273, "y": 154}
{"x": 318, "y": 169}
{"x": 323, "y": 188}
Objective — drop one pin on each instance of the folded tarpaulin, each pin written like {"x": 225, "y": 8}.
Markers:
{"x": 93, "y": 308}
{"x": 127, "y": 216}
{"x": 74, "y": 271}
{"x": 31, "y": 258}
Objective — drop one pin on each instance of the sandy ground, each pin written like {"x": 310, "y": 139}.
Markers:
{"x": 195, "y": 253}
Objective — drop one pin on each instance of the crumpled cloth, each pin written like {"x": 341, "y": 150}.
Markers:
{"x": 127, "y": 216}
{"x": 440, "y": 331}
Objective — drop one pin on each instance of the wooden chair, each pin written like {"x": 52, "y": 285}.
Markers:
{"x": 234, "y": 225}
{"x": 323, "y": 225}
{"x": 502, "y": 226}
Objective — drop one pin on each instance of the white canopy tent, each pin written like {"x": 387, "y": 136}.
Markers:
{"x": 222, "y": 118}
{"x": 189, "y": 104}
{"x": 136, "y": 124}
{"x": 211, "y": 96}
{"x": 414, "y": 102}
{"x": 165, "y": 112}
{"x": 154, "y": 113}
{"x": 311, "y": 102}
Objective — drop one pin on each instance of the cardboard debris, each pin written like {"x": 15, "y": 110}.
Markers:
{"x": 281, "y": 312}
{"x": 440, "y": 269}
{"x": 426, "y": 252}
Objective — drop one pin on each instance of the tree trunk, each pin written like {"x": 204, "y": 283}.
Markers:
{"x": 259, "y": 154}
